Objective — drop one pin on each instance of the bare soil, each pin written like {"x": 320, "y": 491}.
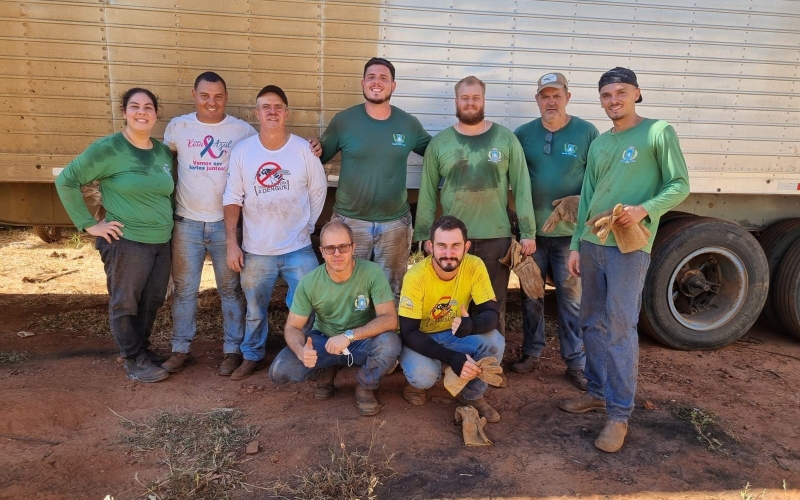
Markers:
{"x": 59, "y": 429}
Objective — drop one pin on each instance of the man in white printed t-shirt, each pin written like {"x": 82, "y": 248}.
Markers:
{"x": 278, "y": 186}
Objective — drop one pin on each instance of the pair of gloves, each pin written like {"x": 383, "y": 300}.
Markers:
{"x": 472, "y": 423}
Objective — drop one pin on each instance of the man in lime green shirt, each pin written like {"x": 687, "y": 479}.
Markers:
{"x": 639, "y": 164}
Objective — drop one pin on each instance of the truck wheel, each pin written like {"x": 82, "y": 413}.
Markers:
{"x": 707, "y": 282}
{"x": 48, "y": 234}
{"x": 775, "y": 242}
{"x": 786, "y": 291}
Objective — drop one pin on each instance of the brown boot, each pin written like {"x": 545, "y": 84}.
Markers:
{"x": 413, "y": 395}
{"x": 230, "y": 364}
{"x": 366, "y": 402}
{"x": 612, "y": 437}
{"x": 526, "y": 363}
{"x": 177, "y": 362}
{"x": 576, "y": 378}
{"x": 247, "y": 368}
{"x": 325, "y": 388}
{"x": 583, "y": 404}
{"x": 485, "y": 410}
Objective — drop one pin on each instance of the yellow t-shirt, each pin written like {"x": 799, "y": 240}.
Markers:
{"x": 426, "y": 297}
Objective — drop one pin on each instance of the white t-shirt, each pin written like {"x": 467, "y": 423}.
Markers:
{"x": 203, "y": 153}
{"x": 281, "y": 193}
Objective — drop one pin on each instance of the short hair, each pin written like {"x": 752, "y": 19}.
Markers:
{"x": 470, "y": 80}
{"x": 126, "y": 97}
{"x": 211, "y": 77}
{"x": 335, "y": 225}
{"x": 449, "y": 223}
{"x": 380, "y": 62}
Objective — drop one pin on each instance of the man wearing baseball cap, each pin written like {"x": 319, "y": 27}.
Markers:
{"x": 556, "y": 147}
{"x": 639, "y": 165}
{"x": 278, "y": 186}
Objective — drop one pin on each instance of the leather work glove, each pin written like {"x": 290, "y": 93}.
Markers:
{"x": 629, "y": 239}
{"x": 529, "y": 274}
{"x": 490, "y": 373}
{"x": 601, "y": 224}
{"x": 472, "y": 425}
{"x": 566, "y": 210}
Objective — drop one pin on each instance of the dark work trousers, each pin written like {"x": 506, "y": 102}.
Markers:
{"x": 491, "y": 251}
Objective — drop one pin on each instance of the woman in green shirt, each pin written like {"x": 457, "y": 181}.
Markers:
{"x": 135, "y": 176}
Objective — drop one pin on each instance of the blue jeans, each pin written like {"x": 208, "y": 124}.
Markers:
{"x": 259, "y": 275}
{"x": 422, "y": 372}
{"x": 191, "y": 240}
{"x": 137, "y": 275}
{"x": 387, "y": 243}
{"x": 612, "y": 296}
{"x": 375, "y": 356}
{"x": 554, "y": 253}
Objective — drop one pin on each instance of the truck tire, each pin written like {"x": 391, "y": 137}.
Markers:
{"x": 775, "y": 242}
{"x": 48, "y": 234}
{"x": 786, "y": 291}
{"x": 707, "y": 282}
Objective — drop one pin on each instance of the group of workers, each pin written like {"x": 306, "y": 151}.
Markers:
{"x": 251, "y": 199}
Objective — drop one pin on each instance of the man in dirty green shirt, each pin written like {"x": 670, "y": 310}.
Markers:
{"x": 478, "y": 160}
{"x": 639, "y": 164}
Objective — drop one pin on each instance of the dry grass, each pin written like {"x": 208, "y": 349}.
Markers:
{"x": 14, "y": 357}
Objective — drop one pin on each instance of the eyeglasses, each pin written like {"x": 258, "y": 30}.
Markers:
{"x": 331, "y": 249}
{"x": 548, "y": 143}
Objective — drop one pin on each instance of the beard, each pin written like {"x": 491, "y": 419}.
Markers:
{"x": 377, "y": 100}
{"x": 448, "y": 265}
{"x": 470, "y": 118}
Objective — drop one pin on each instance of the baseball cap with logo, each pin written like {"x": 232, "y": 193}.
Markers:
{"x": 552, "y": 80}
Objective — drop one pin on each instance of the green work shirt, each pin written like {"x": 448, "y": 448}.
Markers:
{"x": 136, "y": 185}
{"x": 477, "y": 170}
{"x": 558, "y": 174}
{"x": 644, "y": 166}
{"x": 372, "y": 181}
{"x": 342, "y": 306}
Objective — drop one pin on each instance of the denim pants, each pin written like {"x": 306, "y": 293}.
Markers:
{"x": 387, "y": 243}
{"x": 191, "y": 240}
{"x": 259, "y": 275}
{"x": 137, "y": 275}
{"x": 422, "y": 372}
{"x": 553, "y": 253}
{"x": 491, "y": 251}
{"x": 374, "y": 356}
{"x": 612, "y": 296}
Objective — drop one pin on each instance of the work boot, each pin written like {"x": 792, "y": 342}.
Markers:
{"x": 583, "y": 404}
{"x": 229, "y": 364}
{"x": 366, "y": 402}
{"x": 612, "y": 437}
{"x": 155, "y": 357}
{"x": 247, "y": 368}
{"x": 142, "y": 369}
{"x": 526, "y": 363}
{"x": 413, "y": 395}
{"x": 177, "y": 362}
{"x": 485, "y": 410}
{"x": 325, "y": 388}
{"x": 576, "y": 378}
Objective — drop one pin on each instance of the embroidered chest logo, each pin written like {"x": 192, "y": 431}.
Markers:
{"x": 406, "y": 302}
{"x": 398, "y": 140}
{"x": 570, "y": 150}
{"x": 168, "y": 169}
{"x": 495, "y": 155}
{"x": 271, "y": 177}
{"x": 629, "y": 155}
{"x": 361, "y": 303}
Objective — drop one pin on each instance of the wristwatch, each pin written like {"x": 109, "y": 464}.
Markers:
{"x": 348, "y": 334}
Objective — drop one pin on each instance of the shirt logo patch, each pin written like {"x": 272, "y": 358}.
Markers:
{"x": 398, "y": 140}
{"x": 167, "y": 169}
{"x": 406, "y": 302}
{"x": 629, "y": 155}
{"x": 442, "y": 310}
{"x": 271, "y": 177}
{"x": 570, "y": 150}
{"x": 495, "y": 155}
{"x": 361, "y": 303}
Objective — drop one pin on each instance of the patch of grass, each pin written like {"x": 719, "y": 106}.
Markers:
{"x": 14, "y": 357}
{"x": 349, "y": 475}
{"x": 415, "y": 257}
{"x": 703, "y": 421}
{"x": 201, "y": 451}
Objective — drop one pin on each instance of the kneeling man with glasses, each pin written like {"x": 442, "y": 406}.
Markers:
{"x": 355, "y": 323}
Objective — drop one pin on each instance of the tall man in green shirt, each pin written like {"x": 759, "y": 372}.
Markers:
{"x": 478, "y": 159}
{"x": 556, "y": 146}
{"x": 375, "y": 139}
{"x": 639, "y": 164}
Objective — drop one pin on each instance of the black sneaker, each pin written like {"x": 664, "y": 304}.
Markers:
{"x": 142, "y": 369}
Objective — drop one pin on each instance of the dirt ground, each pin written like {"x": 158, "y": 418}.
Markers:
{"x": 59, "y": 423}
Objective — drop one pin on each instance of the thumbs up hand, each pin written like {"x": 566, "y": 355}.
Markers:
{"x": 309, "y": 354}
{"x": 457, "y": 320}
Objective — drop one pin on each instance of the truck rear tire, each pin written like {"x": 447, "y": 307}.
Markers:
{"x": 775, "y": 242}
{"x": 48, "y": 234}
{"x": 707, "y": 282}
{"x": 786, "y": 291}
